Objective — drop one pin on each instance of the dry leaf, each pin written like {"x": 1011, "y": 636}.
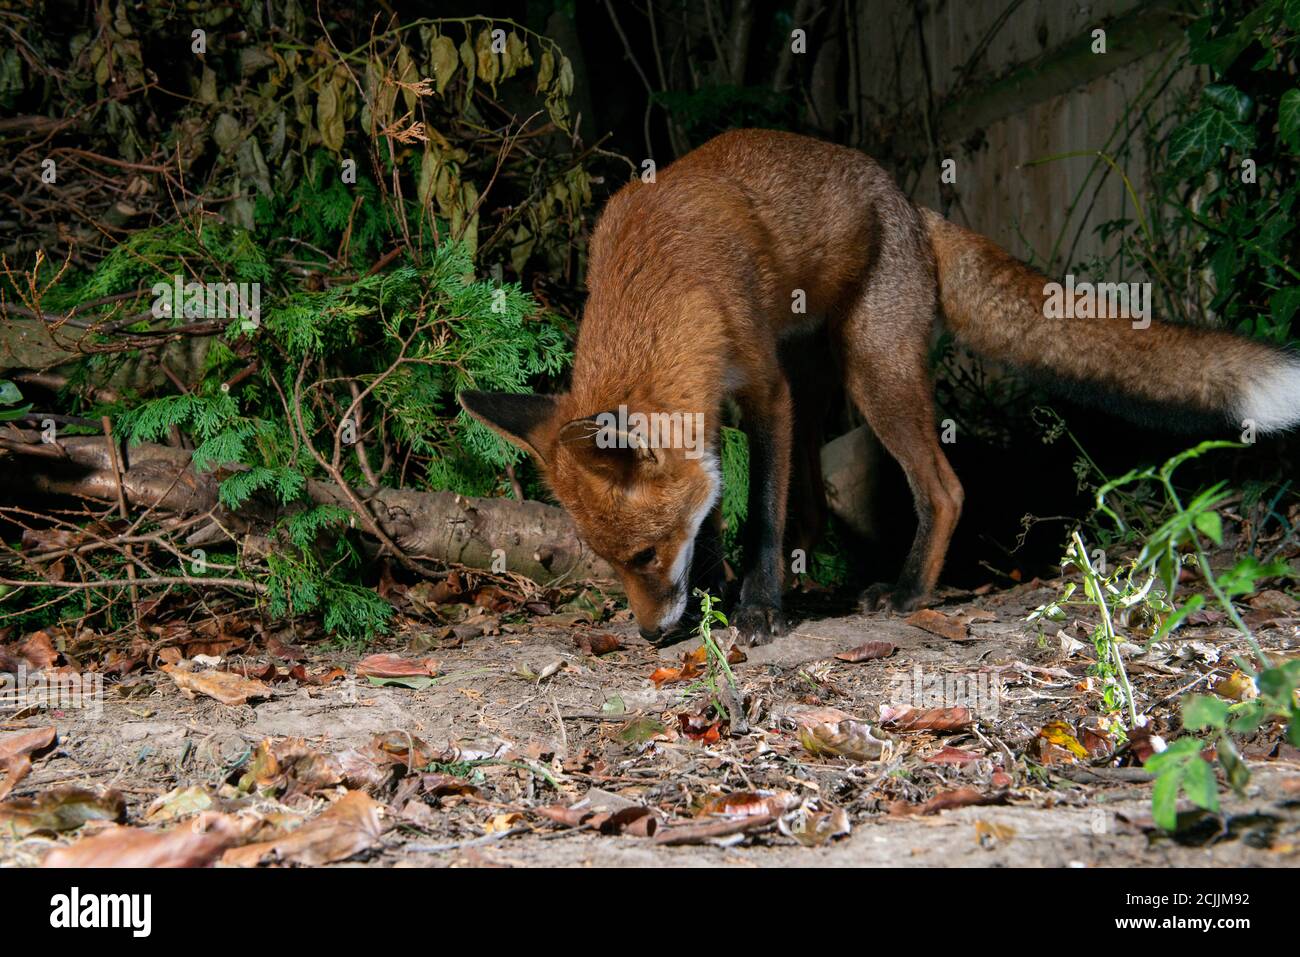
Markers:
{"x": 395, "y": 666}
{"x": 869, "y": 651}
{"x": 196, "y": 844}
{"x": 1060, "y": 734}
{"x": 350, "y": 825}
{"x": 850, "y": 739}
{"x": 925, "y": 719}
{"x": 224, "y": 686}
{"x": 1238, "y": 686}
{"x": 597, "y": 642}
{"x": 937, "y": 623}
{"x": 16, "y": 751}
{"x": 61, "y": 809}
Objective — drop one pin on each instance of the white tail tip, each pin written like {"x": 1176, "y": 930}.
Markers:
{"x": 1272, "y": 399}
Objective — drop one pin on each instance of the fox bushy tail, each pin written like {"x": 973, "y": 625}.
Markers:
{"x": 1163, "y": 374}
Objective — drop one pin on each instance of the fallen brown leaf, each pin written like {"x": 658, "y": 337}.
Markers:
{"x": 925, "y": 719}
{"x": 597, "y": 642}
{"x": 349, "y": 826}
{"x": 194, "y": 844}
{"x": 951, "y": 755}
{"x": 396, "y": 666}
{"x": 937, "y": 623}
{"x": 224, "y": 686}
{"x": 869, "y": 651}
{"x": 61, "y": 809}
{"x": 16, "y": 752}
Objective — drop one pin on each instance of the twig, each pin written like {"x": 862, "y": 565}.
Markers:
{"x": 122, "y": 511}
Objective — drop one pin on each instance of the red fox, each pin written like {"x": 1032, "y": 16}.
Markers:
{"x": 697, "y": 281}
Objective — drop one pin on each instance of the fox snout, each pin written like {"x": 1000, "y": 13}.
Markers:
{"x": 659, "y": 601}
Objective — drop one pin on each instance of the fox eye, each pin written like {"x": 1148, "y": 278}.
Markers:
{"x": 643, "y": 557}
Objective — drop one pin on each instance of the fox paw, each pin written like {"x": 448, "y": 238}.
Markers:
{"x": 757, "y": 624}
{"x": 881, "y": 596}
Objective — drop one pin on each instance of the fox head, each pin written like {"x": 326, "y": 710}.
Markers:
{"x": 637, "y": 504}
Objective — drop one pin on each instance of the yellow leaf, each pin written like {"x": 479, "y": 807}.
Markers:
{"x": 488, "y": 67}
{"x": 502, "y": 822}
{"x": 1059, "y": 734}
{"x": 1237, "y": 686}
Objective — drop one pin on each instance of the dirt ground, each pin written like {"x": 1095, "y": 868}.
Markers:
{"x": 483, "y": 765}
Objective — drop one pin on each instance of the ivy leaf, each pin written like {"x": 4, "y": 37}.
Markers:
{"x": 1288, "y": 118}
{"x": 1196, "y": 145}
{"x": 1231, "y": 101}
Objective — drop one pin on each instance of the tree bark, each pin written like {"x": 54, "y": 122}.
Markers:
{"x": 535, "y": 540}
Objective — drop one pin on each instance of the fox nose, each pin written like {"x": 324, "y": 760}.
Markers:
{"x": 651, "y": 634}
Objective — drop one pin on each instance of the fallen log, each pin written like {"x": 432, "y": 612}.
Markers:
{"x": 532, "y": 539}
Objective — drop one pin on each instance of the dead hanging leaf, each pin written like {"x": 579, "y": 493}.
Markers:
{"x": 1238, "y": 686}
{"x": 488, "y": 66}
{"x": 17, "y": 751}
{"x": 545, "y": 70}
{"x": 396, "y": 666}
{"x": 445, "y": 59}
{"x": 869, "y": 651}
{"x": 937, "y": 623}
{"x": 226, "y": 687}
{"x": 329, "y": 116}
{"x": 352, "y": 824}
{"x": 925, "y": 719}
{"x": 61, "y": 809}
{"x": 195, "y": 844}
{"x": 597, "y": 643}
{"x": 850, "y": 739}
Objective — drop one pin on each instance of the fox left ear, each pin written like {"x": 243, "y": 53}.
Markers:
{"x": 525, "y": 419}
{"x": 617, "y": 455}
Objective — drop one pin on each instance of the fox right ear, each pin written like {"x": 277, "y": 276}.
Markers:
{"x": 525, "y": 419}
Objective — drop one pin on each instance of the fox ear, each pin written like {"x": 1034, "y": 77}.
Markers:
{"x": 525, "y": 419}
{"x": 601, "y": 448}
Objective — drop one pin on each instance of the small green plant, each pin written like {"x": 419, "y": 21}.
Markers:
{"x": 1149, "y": 582}
{"x": 717, "y": 670}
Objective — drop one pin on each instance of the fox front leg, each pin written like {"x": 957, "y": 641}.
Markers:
{"x": 766, "y": 420}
